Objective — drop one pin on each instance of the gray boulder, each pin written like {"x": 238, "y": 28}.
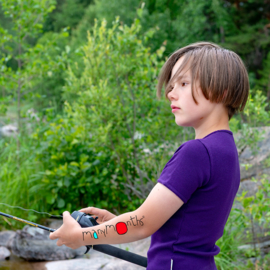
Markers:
{"x": 34, "y": 244}
{"x": 6, "y": 238}
{"x": 78, "y": 264}
{"x": 98, "y": 260}
{"x": 10, "y": 130}
{"x": 4, "y": 253}
{"x": 258, "y": 166}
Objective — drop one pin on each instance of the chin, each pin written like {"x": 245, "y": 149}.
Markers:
{"x": 182, "y": 124}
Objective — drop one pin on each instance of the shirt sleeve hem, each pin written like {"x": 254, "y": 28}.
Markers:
{"x": 176, "y": 192}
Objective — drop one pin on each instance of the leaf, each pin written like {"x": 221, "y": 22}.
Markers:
{"x": 73, "y": 163}
{"x": 67, "y": 49}
{"x": 50, "y": 198}
{"x": 60, "y": 203}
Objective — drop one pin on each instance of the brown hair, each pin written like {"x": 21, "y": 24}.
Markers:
{"x": 219, "y": 71}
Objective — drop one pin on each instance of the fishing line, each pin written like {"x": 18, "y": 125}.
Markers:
{"x": 31, "y": 210}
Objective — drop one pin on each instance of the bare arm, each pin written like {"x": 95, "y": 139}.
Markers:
{"x": 158, "y": 207}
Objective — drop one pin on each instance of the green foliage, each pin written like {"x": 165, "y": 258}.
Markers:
{"x": 73, "y": 173}
{"x": 264, "y": 81}
{"x": 109, "y": 144}
{"x": 240, "y": 26}
{"x": 239, "y": 229}
{"x": 125, "y": 10}
{"x": 67, "y": 14}
{"x": 27, "y": 18}
{"x": 14, "y": 184}
{"x": 257, "y": 206}
{"x": 229, "y": 254}
{"x": 47, "y": 62}
{"x": 17, "y": 158}
{"x": 254, "y": 115}
{"x": 255, "y": 210}
{"x": 94, "y": 152}
{"x": 24, "y": 13}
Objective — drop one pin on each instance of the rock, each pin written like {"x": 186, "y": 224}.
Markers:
{"x": 118, "y": 264}
{"x": 54, "y": 223}
{"x": 257, "y": 162}
{"x": 78, "y": 264}
{"x": 99, "y": 260}
{"x": 9, "y": 131}
{"x": 4, "y": 253}
{"x": 34, "y": 244}
{"x": 139, "y": 247}
{"x": 259, "y": 165}
{"x": 258, "y": 246}
{"x": 6, "y": 238}
{"x": 250, "y": 186}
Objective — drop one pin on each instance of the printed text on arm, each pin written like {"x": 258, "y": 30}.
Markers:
{"x": 158, "y": 207}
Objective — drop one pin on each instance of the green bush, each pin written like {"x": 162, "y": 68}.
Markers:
{"x": 15, "y": 181}
{"x": 94, "y": 153}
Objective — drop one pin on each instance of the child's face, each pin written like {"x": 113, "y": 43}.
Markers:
{"x": 204, "y": 116}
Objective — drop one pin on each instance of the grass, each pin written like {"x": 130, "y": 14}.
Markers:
{"x": 15, "y": 184}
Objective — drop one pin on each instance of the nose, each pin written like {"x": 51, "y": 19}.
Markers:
{"x": 172, "y": 95}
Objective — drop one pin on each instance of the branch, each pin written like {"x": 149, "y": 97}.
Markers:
{"x": 37, "y": 19}
{"x": 29, "y": 79}
{"x": 2, "y": 47}
{"x": 9, "y": 77}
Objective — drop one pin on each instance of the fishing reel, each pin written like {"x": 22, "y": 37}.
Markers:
{"x": 85, "y": 221}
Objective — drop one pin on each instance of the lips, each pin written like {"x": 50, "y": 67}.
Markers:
{"x": 174, "y": 107}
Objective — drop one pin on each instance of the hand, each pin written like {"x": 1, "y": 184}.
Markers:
{"x": 102, "y": 214}
{"x": 67, "y": 234}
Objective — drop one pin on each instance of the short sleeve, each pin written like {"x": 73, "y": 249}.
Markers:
{"x": 187, "y": 170}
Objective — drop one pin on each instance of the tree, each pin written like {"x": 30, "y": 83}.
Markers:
{"x": 26, "y": 18}
{"x": 103, "y": 150}
{"x": 67, "y": 13}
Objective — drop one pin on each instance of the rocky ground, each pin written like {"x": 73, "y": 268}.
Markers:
{"x": 34, "y": 244}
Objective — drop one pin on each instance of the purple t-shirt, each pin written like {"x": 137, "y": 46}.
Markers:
{"x": 205, "y": 175}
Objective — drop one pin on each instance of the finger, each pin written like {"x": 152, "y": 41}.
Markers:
{"x": 86, "y": 209}
{"x": 59, "y": 243}
{"x": 66, "y": 217}
{"x": 66, "y": 214}
{"x": 53, "y": 235}
{"x": 89, "y": 210}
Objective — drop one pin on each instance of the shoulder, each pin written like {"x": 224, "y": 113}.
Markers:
{"x": 191, "y": 154}
{"x": 192, "y": 148}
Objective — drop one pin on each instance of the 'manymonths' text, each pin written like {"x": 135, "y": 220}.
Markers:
{"x": 120, "y": 227}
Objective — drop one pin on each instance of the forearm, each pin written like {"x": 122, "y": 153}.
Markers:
{"x": 125, "y": 228}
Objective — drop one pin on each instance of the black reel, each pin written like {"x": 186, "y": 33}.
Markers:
{"x": 85, "y": 221}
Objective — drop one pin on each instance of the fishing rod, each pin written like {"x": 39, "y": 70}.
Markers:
{"x": 85, "y": 221}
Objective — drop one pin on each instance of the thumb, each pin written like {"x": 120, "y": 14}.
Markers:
{"x": 66, "y": 216}
{"x": 66, "y": 213}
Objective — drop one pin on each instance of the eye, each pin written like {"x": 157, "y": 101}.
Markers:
{"x": 183, "y": 83}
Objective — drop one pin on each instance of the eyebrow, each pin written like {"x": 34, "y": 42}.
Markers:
{"x": 183, "y": 77}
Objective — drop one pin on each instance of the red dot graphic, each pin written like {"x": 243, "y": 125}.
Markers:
{"x": 121, "y": 227}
